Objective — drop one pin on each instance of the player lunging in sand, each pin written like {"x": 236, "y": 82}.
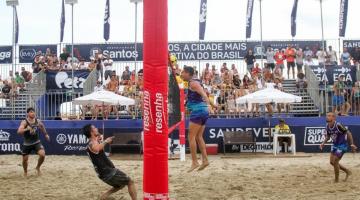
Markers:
{"x": 29, "y": 129}
{"x": 104, "y": 168}
{"x": 341, "y": 138}
{"x": 197, "y": 103}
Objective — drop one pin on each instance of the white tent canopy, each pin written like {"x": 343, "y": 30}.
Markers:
{"x": 268, "y": 95}
{"x": 104, "y": 98}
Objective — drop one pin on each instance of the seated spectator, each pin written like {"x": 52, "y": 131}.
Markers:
{"x": 82, "y": 65}
{"x": 236, "y": 81}
{"x": 278, "y": 74}
{"x": 256, "y": 70}
{"x": 6, "y": 90}
{"x": 221, "y": 102}
{"x": 268, "y": 76}
{"x": 216, "y": 79}
{"x": 283, "y": 128}
{"x": 26, "y": 75}
{"x": 125, "y": 77}
{"x": 246, "y": 82}
{"x": 98, "y": 87}
{"x": 301, "y": 82}
{"x": 19, "y": 82}
{"x": 64, "y": 55}
{"x": 206, "y": 75}
{"x": 113, "y": 85}
{"x": 226, "y": 77}
{"x": 92, "y": 64}
{"x": 231, "y": 105}
{"x": 233, "y": 69}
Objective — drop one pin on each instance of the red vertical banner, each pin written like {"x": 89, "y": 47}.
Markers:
{"x": 155, "y": 178}
{"x": 182, "y": 123}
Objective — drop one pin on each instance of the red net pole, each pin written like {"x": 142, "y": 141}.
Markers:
{"x": 155, "y": 177}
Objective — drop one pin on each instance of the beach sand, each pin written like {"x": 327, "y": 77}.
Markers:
{"x": 236, "y": 177}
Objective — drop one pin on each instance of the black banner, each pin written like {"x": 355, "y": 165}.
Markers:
{"x": 27, "y": 52}
{"x": 331, "y": 73}
{"x": 190, "y": 50}
{"x": 62, "y": 80}
{"x": 5, "y": 54}
{"x": 343, "y": 17}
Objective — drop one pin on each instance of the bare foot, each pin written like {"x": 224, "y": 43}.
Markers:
{"x": 348, "y": 174}
{"x": 193, "y": 167}
{"x": 38, "y": 172}
{"x": 336, "y": 181}
{"x": 25, "y": 174}
{"x": 204, "y": 165}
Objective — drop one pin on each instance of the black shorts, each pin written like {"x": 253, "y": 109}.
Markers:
{"x": 270, "y": 66}
{"x": 290, "y": 64}
{"x": 120, "y": 179}
{"x": 27, "y": 149}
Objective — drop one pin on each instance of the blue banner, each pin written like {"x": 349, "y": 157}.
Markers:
{"x": 66, "y": 137}
{"x": 56, "y": 80}
{"x": 16, "y": 27}
{"x": 5, "y": 54}
{"x": 27, "y": 53}
{"x": 202, "y": 19}
{"x": 190, "y": 50}
{"x": 249, "y": 11}
{"x": 107, "y": 21}
{"x": 331, "y": 73}
{"x": 62, "y": 21}
{"x": 293, "y": 18}
{"x": 343, "y": 17}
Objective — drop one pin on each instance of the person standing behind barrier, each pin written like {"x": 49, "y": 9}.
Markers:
{"x": 321, "y": 55}
{"x": 279, "y": 58}
{"x": 29, "y": 129}
{"x": 290, "y": 60}
{"x": 108, "y": 62}
{"x": 332, "y": 56}
{"x": 249, "y": 60}
{"x": 99, "y": 67}
{"x": 345, "y": 57}
{"x": 338, "y": 99}
{"x": 197, "y": 103}
{"x": 270, "y": 60}
{"x": 299, "y": 60}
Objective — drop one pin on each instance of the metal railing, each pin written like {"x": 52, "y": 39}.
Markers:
{"x": 315, "y": 91}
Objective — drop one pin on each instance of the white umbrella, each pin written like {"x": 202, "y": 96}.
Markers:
{"x": 268, "y": 95}
{"x": 104, "y": 98}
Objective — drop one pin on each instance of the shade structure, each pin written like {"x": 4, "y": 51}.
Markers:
{"x": 104, "y": 98}
{"x": 269, "y": 95}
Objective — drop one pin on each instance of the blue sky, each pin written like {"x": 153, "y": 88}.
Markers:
{"x": 40, "y": 20}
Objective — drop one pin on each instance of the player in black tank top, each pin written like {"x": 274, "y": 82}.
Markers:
{"x": 104, "y": 168}
{"x": 30, "y": 129}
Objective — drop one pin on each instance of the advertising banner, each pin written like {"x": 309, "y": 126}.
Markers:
{"x": 190, "y": 50}
{"x": 5, "y": 54}
{"x": 67, "y": 139}
{"x": 331, "y": 73}
{"x": 62, "y": 80}
{"x": 27, "y": 53}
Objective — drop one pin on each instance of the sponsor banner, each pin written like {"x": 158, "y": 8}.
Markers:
{"x": 27, "y": 53}
{"x": 5, "y": 54}
{"x": 351, "y": 45}
{"x": 190, "y": 50}
{"x": 331, "y": 73}
{"x": 62, "y": 80}
{"x": 67, "y": 139}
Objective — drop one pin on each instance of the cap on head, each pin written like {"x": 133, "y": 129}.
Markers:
{"x": 281, "y": 121}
